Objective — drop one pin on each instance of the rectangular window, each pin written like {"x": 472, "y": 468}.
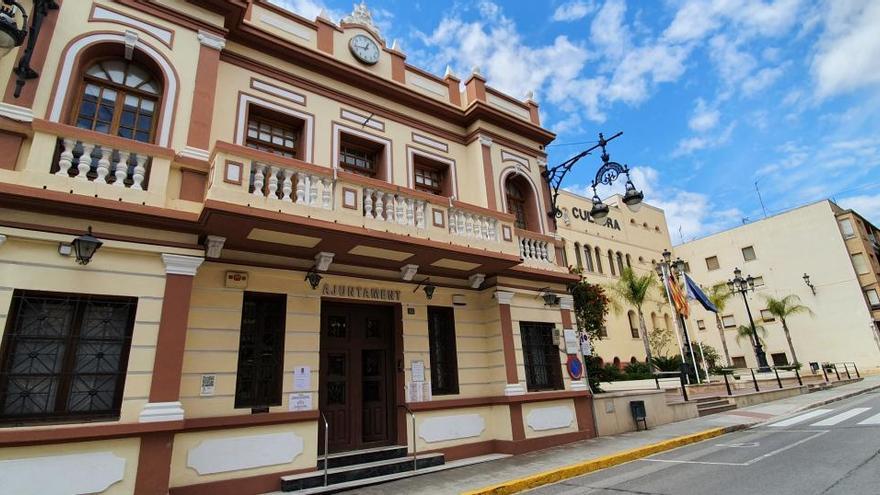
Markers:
{"x": 846, "y": 228}
{"x": 873, "y": 298}
{"x": 759, "y": 281}
{"x": 701, "y": 324}
{"x": 739, "y": 362}
{"x": 361, "y": 156}
{"x": 712, "y": 263}
{"x": 766, "y": 315}
{"x": 728, "y": 321}
{"x": 261, "y": 351}
{"x": 273, "y": 132}
{"x": 444, "y": 360}
{"x": 543, "y": 368}
{"x": 779, "y": 359}
{"x": 749, "y": 253}
{"x": 860, "y": 264}
{"x": 431, "y": 176}
{"x": 64, "y": 357}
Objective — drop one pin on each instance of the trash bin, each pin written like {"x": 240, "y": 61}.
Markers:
{"x": 639, "y": 414}
{"x": 814, "y": 367}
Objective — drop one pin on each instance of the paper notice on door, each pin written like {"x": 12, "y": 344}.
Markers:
{"x": 418, "y": 371}
{"x": 302, "y": 378}
{"x": 300, "y": 402}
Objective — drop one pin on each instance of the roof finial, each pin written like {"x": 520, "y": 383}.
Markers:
{"x": 475, "y": 70}
{"x": 449, "y": 72}
{"x": 361, "y": 15}
{"x": 395, "y": 45}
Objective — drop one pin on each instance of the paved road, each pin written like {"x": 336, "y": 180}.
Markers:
{"x": 831, "y": 450}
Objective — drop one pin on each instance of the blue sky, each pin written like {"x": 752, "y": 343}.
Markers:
{"x": 712, "y": 95}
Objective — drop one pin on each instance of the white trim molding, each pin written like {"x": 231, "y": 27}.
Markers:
{"x": 503, "y": 297}
{"x": 408, "y": 272}
{"x": 211, "y": 40}
{"x": 566, "y": 301}
{"x": 443, "y": 428}
{"x": 386, "y": 147}
{"x": 323, "y": 260}
{"x": 214, "y": 246}
{"x": 410, "y": 167}
{"x": 221, "y": 455}
{"x": 308, "y": 128}
{"x": 550, "y": 418}
{"x": 176, "y": 264}
{"x": 102, "y": 14}
{"x": 195, "y": 153}
{"x": 2, "y": 239}
{"x": 476, "y": 280}
{"x": 161, "y": 411}
{"x": 17, "y": 113}
{"x": 485, "y": 140}
{"x": 514, "y": 389}
{"x": 87, "y": 472}
{"x": 539, "y": 202}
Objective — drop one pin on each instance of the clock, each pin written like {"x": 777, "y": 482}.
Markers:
{"x": 364, "y": 49}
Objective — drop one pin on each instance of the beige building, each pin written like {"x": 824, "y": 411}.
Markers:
{"x": 299, "y": 229}
{"x": 832, "y": 247}
{"x": 600, "y": 250}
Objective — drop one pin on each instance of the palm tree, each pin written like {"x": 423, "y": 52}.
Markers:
{"x": 784, "y": 308}
{"x": 633, "y": 289}
{"x": 718, "y": 295}
{"x": 745, "y": 332}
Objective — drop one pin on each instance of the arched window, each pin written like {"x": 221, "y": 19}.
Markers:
{"x": 633, "y": 360}
{"x": 654, "y": 324}
{"x": 577, "y": 255}
{"x": 616, "y": 362}
{"x": 588, "y": 258}
{"x": 667, "y": 321}
{"x": 633, "y": 324}
{"x": 620, "y": 262}
{"x": 521, "y": 203}
{"x": 628, "y": 261}
{"x": 611, "y": 262}
{"x": 599, "y": 259}
{"x": 119, "y": 97}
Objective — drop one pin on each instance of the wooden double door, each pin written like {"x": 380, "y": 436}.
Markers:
{"x": 357, "y": 375}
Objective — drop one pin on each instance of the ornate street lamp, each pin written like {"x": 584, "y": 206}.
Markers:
{"x": 427, "y": 286}
{"x": 85, "y": 247}
{"x": 313, "y": 278}
{"x": 743, "y": 285}
{"x": 607, "y": 174}
{"x": 12, "y": 36}
{"x": 809, "y": 284}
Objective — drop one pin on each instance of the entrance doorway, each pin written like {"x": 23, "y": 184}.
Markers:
{"x": 357, "y": 375}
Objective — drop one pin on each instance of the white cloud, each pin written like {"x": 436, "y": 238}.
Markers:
{"x": 732, "y": 63}
{"x": 308, "y": 8}
{"x": 867, "y": 205}
{"x": 691, "y": 144}
{"x": 762, "y": 80}
{"x": 608, "y": 32}
{"x": 848, "y": 57}
{"x": 703, "y": 118}
{"x": 573, "y": 11}
{"x": 696, "y": 19}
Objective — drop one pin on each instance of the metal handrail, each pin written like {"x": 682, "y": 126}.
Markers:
{"x": 415, "y": 447}
{"x": 326, "y": 445}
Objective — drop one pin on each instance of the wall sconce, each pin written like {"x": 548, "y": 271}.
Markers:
{"x": 809, "y": 284}
{"x": 550, "y": 299}
{"x": 428, "y": 287}
{"x": 85, "y": 246}
{"x": 313, "y": 278}
{"x": 11, "y": 36}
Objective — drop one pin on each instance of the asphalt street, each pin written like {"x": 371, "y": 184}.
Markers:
{"x": 834, "y": 449}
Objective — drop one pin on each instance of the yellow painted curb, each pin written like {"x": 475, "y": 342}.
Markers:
{"x": 577, "y": 469}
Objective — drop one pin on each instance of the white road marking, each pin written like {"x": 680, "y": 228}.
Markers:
{"x": 752, "y": 461}
{"x": 873, "y": 420}
{"x": 783, "y": 449}
{"x": 801, "y": 418}
{"x": 840, "y": 418}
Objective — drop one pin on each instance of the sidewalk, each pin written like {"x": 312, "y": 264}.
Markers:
{"x": 472, "y": 478}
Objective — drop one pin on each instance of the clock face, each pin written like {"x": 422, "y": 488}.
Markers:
{"x": 364, "y": 49}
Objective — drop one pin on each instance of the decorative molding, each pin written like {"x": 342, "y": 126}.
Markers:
{"x": 503, "y": 297}
{"x": 349, "y": 198}
{"x": 214, "y": 246}
{"x": 407, "y": 272}
{"x": 101, "y": 13}
{"x": 278, "y": 91}
{"x": 232, "y": 172}
{"x": 323, "y": 260}
{"x": 566, "y": 301}
{"x": 550, "y": 418}
{"x": 507, "y": 233}
{"x": 161, "y": 411}
{"x": 578, "y": 385}
{"x": 514, "y": 389}
{"x": 293, "y": 28}
{"x": 211, "y": 40}
{"x": 92, "y": 472}
{"x": 15, "y": 112}
{"x": 443, "y": 428}
{"x": 361, "y": 15}
{"x": 2, "y": 239}
{"x": 221, "y": 455}
{"x": 476, "y": 280}
{"x": 411, "y": 152}
{"x": 131, "y": 39}
{"x": 429, "y": 142}
{"x": 176, "y": 264}
{"x": 507, "y": 156}
{"x": 438, "y": 218}
{"x": 245, "y": 100}
{"x": 195, "y": 153}
{"x": 485, "y": 140}
{"x": 362, "y": 120}
{"x": 508, "y": 106}
{"x": 433, "y": 87}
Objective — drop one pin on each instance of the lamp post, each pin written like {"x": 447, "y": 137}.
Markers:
{"x": 743, "y": 285}
{"x": 664, "y": 268}
{"x": 12, "y": 36}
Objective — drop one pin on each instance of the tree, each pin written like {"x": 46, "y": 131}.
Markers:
{"x": 784, "y": 308}
{"x": 590, "y": 308}
{"x": 659, "y": 340}
{"x": 745, "y": 332}
{"x": 719, "y": 294}
{"x": 633, "y": 290}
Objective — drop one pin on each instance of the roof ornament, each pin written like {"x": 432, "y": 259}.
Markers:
{"x": 449, "y": 72}
{"x": 361, "y": 15}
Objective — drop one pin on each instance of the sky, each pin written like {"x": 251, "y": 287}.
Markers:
{"x": 713, "y": 96}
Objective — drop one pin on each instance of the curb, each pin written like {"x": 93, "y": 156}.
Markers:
{"x": 580, "y": 468}
{"x": 847, "y": 395}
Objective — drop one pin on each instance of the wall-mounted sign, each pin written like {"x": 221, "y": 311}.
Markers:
{"x": 300, "y": 402}
{"x": 585, "y": 215}
{"x": 236, "y": 280}
{"x": 208, "y": 382}
{"x": 352, "y": 291}
{"x": 575, "y": 367}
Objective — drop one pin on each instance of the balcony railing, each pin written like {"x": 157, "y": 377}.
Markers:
{"x": 536, "y": 249}
{"x": 394, "y": 207}
{"x": 287, "y": 184}
{"x": 89, "y": 161}
{"x": 472, "y": 225}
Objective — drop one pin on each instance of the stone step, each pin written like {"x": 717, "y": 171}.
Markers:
{"x": 356, "y": 472}
{"x": 353, "y": 457}
{"x": 720, "y": 408}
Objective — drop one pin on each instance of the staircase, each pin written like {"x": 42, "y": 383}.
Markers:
{"x": 349, "y": 470}
{"x": 713, "y": 405}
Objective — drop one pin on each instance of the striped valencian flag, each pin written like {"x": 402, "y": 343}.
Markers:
{"x": 678, "y": 299}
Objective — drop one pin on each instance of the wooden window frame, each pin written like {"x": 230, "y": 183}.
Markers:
{"x": 550, "y": 353}
{"x": 367, "y": 147}
{"x": 448, "y": 364}
{"x": 60, "y": 414}
{"x": 275, "y": 120}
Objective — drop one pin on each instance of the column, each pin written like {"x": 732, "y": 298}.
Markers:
{"x": 513, "y": 386}
{"x": 164, "y": 404}
{"x": 202, "y": 115}
{"x": 488, "y": 171}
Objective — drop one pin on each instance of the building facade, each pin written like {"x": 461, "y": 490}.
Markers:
{"x": 299, "y": 229}
{"x": 820, "y": 240}
{"x": 599, "y": 251}
{"x": 862, "y": 240}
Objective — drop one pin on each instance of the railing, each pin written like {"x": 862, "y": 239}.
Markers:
{"x": 415, "y": 446}
{"x": 286, "y": 184}
{"x": 535, "y": 249}
{"x": 394, "y": 207}
{"x": 88, "y": 161}
{"x": 672, "y": 374}
{"x": 472, "y": 225}
{"x": 326, "y": 446}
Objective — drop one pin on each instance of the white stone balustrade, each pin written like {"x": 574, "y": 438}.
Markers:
{"x": 88, "y": 161}
{"x": 394, "y": 208}
{"x": 472, "y": 225}
{"x": 286, "y": 184}
{"x": 536, "y": 250}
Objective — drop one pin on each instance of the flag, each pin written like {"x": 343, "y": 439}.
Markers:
{"x": 678, "y": 299}
{"x": 694, "y": 292}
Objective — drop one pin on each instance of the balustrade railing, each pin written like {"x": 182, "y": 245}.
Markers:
{"x": 473, "y": 225}
{"x": 535, "y": 249}
{"x": 93, "y": 162}
{"x": 286, "y": 184}
{"x": 394, "y": 208}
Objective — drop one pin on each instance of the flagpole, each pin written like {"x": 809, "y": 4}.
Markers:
{"x": 688, "y": 338}
{"x": 671, "y": 306}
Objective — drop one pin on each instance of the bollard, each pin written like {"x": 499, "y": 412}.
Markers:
{"x": 798, "y": 375}
{"x": 684, "y": 392}
{"x": 778, "y": 381}
{"x": 846, "y": 368}
{"x": 754, "y": 380}
{"x": 727, "y": 384}
{"x": 857, "y": 370}
{"x": 836, "y": 372}
{"x": 825, "y": 372}
{"x": 657, "y": 381}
